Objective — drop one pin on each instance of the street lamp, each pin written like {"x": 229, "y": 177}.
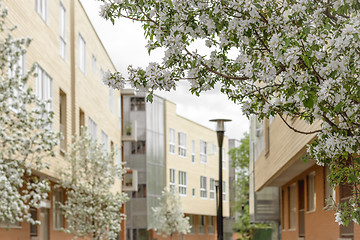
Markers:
{"x": 220, "y": 130}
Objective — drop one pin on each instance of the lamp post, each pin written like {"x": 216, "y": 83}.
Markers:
{"x": 220, "y": 130}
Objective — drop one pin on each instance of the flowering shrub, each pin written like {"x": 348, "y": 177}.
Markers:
{"x": 91, "y": 208}
{"x": 169, "y": 215}
{"x": 26, "y": 139}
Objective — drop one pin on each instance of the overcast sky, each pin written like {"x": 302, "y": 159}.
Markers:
{"x": 125, "y": 44}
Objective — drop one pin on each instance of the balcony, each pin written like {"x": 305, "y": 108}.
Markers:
{"x": 129, "y": 132}
{"x": 130, "y": 181}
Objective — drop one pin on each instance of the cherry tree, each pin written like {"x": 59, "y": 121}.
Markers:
{"x": 169, "y": 215}
{"x": 291, "y": 58}
{"x": 26, "y": 138}
{"x": 92, "y": 207}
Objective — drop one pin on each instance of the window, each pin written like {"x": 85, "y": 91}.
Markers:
{"x": 58, "y": 215}
{"x": 104, "y": 141}
{"x": 346, "y": 190}
{"x": 211, "y": 228}
{"x": 82, "y": 54}
{"x": 62, "y": 31}
{"x": 311, "y": 194}
{"x": 138, "y": 147}
{"x": 172, "y": 141}
{"x": 330, "y": 193}
{"x": 101, "y": 75}
{"x": 223, "y": 190}
{"x": 94, "y": 64}
{"x": 192, "y": 223}
{"x": 137, "y": 103}
{"x": 63, "y": 125}
{"x": 111, "y": 100}
{"x": 182, "y": 144}
{"x": 193, "y": 192}
{"x": 16, "y": 71}
{"x": 203, "y": 187}
{"x": 41, "y": 7}
{"x": 182, "y": 183}
{"x": 44, "y": 89}
{"x": 292, "y": 206}
{"x": 223, "y": 158}
{"x": 203, "y": 151}
{"x": 118, "y": 157}
{"x": 33, "y": 227}
{"x": 172, "y": 180}
{"x": 193, "y": 151}
{"x": 201, "y": 224}
{"x": 141, "y": 193}
{"x": 92, "y": 129}
{"x": 212, "y": 189}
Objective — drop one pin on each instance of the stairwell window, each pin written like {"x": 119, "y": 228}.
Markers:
{"x": 94, "y": 64}
{"x": 311, "y": 194}
{"x": 182, "y": 183}
{"x": 182, "y": 144}
{"x": 172, "y": 180}
{"x": 203, "y": 151}
{"x": 104, "y": 141}
{"x": 203, "y": 187}
{"x": 111, "y": 100}
{"x": 44, "y": 89}
{"x": 63, "y": 122}
{"x": 62, "y": 22}
{"x": 82, "y": 54}
{"x": 172, "y": 141}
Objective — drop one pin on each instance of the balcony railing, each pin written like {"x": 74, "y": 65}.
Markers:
{"x": 130, "y": 181}
{"x": 129, "y": 132}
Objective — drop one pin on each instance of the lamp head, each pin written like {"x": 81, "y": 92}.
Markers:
{"x": 220, "y": 126}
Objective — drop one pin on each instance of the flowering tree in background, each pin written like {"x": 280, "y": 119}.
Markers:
{"x": 91, "y": 208}
{"x": 169, "y": 215}
{"x": 25, "y": 134}
{"x": 297, "y": 59}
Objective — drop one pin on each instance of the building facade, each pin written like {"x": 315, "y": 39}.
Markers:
{"x": 70, "y": 60}
{"x": 300, "y": 188}
{"x": 172, "y": 151}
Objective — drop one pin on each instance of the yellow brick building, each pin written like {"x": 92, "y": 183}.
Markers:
{"x": 172, "y": 151}
{"x": 70, "y": 60}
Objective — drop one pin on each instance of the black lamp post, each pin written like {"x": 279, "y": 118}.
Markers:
{"x": 220, "y": 130}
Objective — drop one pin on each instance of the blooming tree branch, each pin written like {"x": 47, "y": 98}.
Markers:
{"x": 298, "y": 58}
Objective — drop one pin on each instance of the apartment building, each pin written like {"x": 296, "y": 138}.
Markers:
{"x": 280, "y": 177}
{"x": 170, "y": 150}
{"x": 70, "y": 60}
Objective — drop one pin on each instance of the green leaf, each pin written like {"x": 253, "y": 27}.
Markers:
{"x": 338, "y": 107}
{"x": 171, "y": 4}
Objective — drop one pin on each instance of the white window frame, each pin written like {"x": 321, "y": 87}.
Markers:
{"x": 224, "y": 191}
{"x": 20, "y": 67}
{"x": 212, "y": 189}
{"x": 172, "y": 144}
{"x": 311, "y": 192}
{"x": 82, "y": 54}
{"x": 119, "y": 113}
{"x": 92, "y": 128}
{"x": 203, "y": 151}
{"x": 193, "y": 151}
{"x": 203, "y": 187}
{"x": 104, "y": 141}
{"x": 62, "y": 27}
{"x": 172, "y": 179}
{"x": 182, "y": 183}
{"x": 182, "y": 144}
{"x": 42, "y": 8}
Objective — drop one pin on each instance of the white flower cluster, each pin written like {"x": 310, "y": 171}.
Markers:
{"x": 295, "y": 58}
{"x": 169, "y": 215}
{"x": 25, "y": 138}
{"x": 91, "y": 208}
